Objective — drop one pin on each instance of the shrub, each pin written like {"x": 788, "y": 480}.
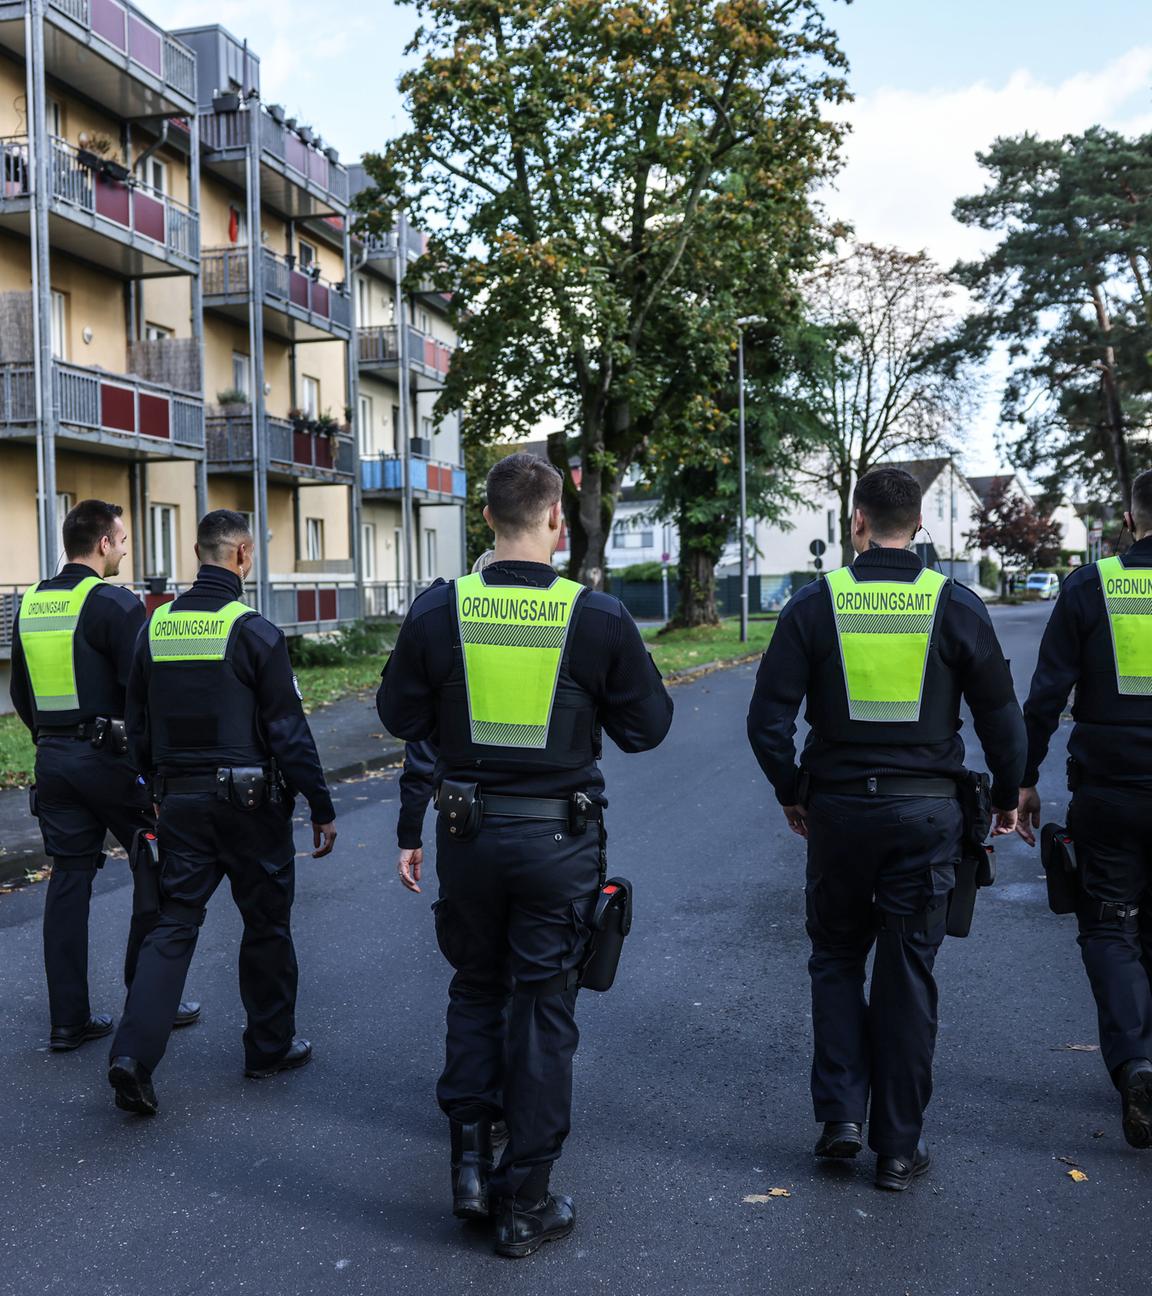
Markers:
{"x": 989, "y": 576}
{"x": 360, "y": 639}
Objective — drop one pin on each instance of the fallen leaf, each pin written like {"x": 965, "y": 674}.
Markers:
{"x": 1068, "y": 1161}
{"x": 1097, "y": 1133}
{"x": 1078, "y": 1176}
{"x": 1076, "y": 1048}
{"x": 755, "y": 1199}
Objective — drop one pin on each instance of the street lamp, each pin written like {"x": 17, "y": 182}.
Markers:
{"x": 745, "y": 321}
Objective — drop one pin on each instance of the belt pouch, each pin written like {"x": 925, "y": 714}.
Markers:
{"x": 611, "y": 922}
{"x": 1058, "y": 855}
{"x": 100, "y": 730}
{"x": 247, "y": 786}
{"x": 461, "y": 808}
{"x": 117, "y": 737}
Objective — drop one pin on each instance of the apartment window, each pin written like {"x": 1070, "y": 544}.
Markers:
{"x": 363, "y": 303}
{"x": 940, "y": 505}
{"x": 311, "y": 396}
{"x": 368, "y": 551}
{"x": 429, "y": 554}
{"x": 398, "y": 540}
{"x": 426, "y": 429}
{"x": 60, "y": 325}
{"x": 314, "y": 539}
{"x": 241, "y": 373}
{"x": 365, "y": 428}
{"x": 153, "y": 176}
{"x": 628, "y": 535}
{"x": 162, "y": 519}
{"x": 64, "y": 502}
{"x": 395, "y": 429}
{"x": 306, "y": 255}
{"x": 156, "y": 333}
{"x": 55, "y": 118}
{"x": 831, "y": 518}
{"x": 425, "y": 325}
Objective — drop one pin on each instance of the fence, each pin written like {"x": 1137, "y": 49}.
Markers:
{"x": 387, "y": 598}
{"x": 225, "y": 274}
{"x": 645, "y": 599}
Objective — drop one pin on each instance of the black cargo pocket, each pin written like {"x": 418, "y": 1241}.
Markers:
{"x": 448, "y": 932}
{"x": 33, "y": 802}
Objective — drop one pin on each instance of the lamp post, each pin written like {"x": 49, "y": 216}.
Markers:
{"x": 745, "y": 321}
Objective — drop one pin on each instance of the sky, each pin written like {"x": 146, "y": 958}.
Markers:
{"x": 934, "y": 82}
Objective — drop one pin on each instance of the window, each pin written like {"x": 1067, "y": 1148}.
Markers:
{"x": 426, "y": 429}
{"x": 368, "y": 551}
{"x": 306, "y": 255}
{"x": 241, "y": 373}
{"x": 64, "y": 502}
{"x": 627, "y": 534}
{"x": 363, "y": 303}
{"x": 429, "y": 554}
{"x": 365, "y": 428}
{"x": 55, "y": 118}
{"x": 314, "y": 539}
{"x": 153, "y": 176}
{"x": 395, "y": 429}
{"x": 60, "y": 325}
{"x": 831, "y": 526}
{"x": 162, "y": 518}
{"x": 425, "y": 324}
{"x": 311, "y": 394}
{"x": 940, "y": 505}
{"x": 398, "y": 538}
{"x": 156, "y": 333}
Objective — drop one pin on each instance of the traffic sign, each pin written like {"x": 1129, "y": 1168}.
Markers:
{"x": 818, "y": 563}
{"x": 817, "y": 548}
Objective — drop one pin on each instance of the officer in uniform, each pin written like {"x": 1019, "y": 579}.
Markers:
{"x": 1099, "y": 641}
{"x": 514, "y": 671}
{"x": 214, "y": 719}
{"x": 883, "y": 651}
{"x": 71, "y": 654}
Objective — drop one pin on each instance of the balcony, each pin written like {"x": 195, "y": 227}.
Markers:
{"x": 293, "y": 455}
{"x": 296, "y": 180}
{"x": 314, "y": 607}
{"x": 378, "y": 352}
{"x": 384, "y": 599}
{"x": 383, "y": 247}
{"x": 110, "y": 53}
{"x": 298, "y": 306}
{"x": 116, "y": 225}
{"x": 105, "y": 412}
{"x": 432, "y": 480}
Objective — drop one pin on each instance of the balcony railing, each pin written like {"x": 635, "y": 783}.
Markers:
{"x": 130, "y": 33}
{"x": 80, "y": 185}
{"x": 385, "y": 472}
{"x": 96, "y": 401}
{"x": 308, "y": 166}
{"x": 224, "y": 273}
{"x": 301, "y": 608}
{"x": 290, "y": 451}
{"x": 378, "y": 344}
{"x": 385, "y": 246}
{"x": 387, "y": 598}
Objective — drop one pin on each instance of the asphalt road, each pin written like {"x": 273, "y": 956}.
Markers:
{"x": 691, "y": 1086}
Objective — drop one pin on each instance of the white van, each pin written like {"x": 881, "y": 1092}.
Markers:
{"x": 1042, "y": 585}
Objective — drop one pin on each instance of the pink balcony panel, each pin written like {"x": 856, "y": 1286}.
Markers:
{"x": 305, "y": 605}
{"x": 296, "y": 153}
{"x": 145, "y": 45}
{"x": 110, "y": 21}
{"x": 443, "y": 359}
{"x": 327, "y": 605}
{"x": 298, "y": 289}
{"x": 320, "y": 299}
{"x": 302, "y": 443}
{"x": 155, "y": 416}
{"x": 430, "y": 353}
{"x": 113, "y": 201}
{"x": 117, "y": 408}
{"x": 149, "y": 216}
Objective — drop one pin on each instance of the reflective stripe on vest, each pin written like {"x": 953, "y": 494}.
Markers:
{"x": 513, "y": 642}
{"x": 884, "y": 629}
{"x": 1128, "y": 598}
{"x": 48, "y": 621}
{"x": 192, "y": 636}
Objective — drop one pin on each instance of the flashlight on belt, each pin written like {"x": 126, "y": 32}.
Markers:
{"x": 611, "y": 922}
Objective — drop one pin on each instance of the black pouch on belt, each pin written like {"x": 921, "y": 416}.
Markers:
{"x": 1058, "y": 855}
{"x": 145, "y": 864}
{"x": 117, "y": 740}
{"x": 461, "y": 808}
{"x": 101, "y": 729}
{"x": 977, "y": 866}
{"x": 246, "y": 786}
{"x": 611, "y": 922}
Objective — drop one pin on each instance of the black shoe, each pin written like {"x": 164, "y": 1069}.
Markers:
{"x": 896, "y": 1173}
{"x": 299, "y": 1052}
{"x": 471, "y": 1166}
{"x": 66, "y": 1038}
{"x": 133, "y": 1084}
{"x": 520, "y": 1230}
{"x": 840, "y": 1140}
{"x": 1134, "y": 1080}
{"x": 187, "y": 1014}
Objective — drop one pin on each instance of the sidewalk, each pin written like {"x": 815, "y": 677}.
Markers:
{"x": 348, "y": 737}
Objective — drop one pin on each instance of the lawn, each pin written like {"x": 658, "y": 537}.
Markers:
{"x": 321, "y": 684}
{"x": 681, "y": 649}
{"x": 17, "y": 754}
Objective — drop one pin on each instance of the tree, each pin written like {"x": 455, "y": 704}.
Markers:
{"x": 564, "y": 153}
{"x": 1023, "y": 536}
{"x": 897, "y": 381}
{"x": 1068, "y": 289}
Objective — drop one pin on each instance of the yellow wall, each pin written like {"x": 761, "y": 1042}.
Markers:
{"x": 175, "y": 483}
{"x": 15, "y": 264}
{"x": 18, "y": 500}
{"x": 95, "y": 301}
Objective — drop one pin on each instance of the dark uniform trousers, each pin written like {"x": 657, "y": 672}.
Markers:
{"x": 513, "y": 912}
{"x": 82, "y": 794}
{"x": 869, "y": 856}
{"x": 1112, "y": 829}
{"x": 202, "y": 841}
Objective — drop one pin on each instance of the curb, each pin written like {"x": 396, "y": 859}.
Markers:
{"x": 689, "y": 673}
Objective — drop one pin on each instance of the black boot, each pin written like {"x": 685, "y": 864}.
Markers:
{"x": 520, "y": 1230}
{"x": 1134, "y": 1080}
{"x": 471, "y": 1166}
{"x": 840, "y": 1139}
{"x": 896, "y": 1173}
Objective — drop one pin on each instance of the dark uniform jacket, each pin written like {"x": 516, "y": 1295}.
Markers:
{"x": 607, "y": 659}
{"x": 1112, "y": 736}
{"x": 110, "y": 622}
{"x": 417, "y": 783}
{"x": 260, "y": 660}
{"x": 805, "y": 636}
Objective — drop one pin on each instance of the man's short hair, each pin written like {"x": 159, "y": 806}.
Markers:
{"x": 87, "y": 524}
{"x": 890, "y": 500}
{"x": 521, "y": 489}
{"x": 1142, "y": 502}
{"x": 220, "y": 531}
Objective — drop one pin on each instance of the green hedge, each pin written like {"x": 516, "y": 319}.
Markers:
{"x": 361, "y": 639}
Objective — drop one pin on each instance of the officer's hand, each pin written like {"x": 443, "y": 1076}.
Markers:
{"x": 1003, "y": 822}
{"x": 1029, "y": 814}
{"x": 409, "y": 868}
{"x": 797, "y": 818}
{"x": 323, "y": 838}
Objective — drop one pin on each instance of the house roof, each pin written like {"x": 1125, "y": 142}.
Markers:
{"x": 983, "y": 486}
{"x": 924, "y": 470}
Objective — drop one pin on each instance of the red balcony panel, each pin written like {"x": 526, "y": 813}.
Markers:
{"x": 145, "y": 45}
{"x": 305, "y": 605}
{"x": 323, "y": 452}
{"x": 155, "y": 416}
{"x": 153, "y": 601}
{"x": 302, "y": 444}
{"x": 113, "y": 201}
{"x": 117, "y": 408}
{"x": 110, "y": 21}
{"x": 430, "y": 353}
{"x": 149, "y": 216}
{"x": 320, "y": 302}
{"x": 298, "y": 285}
{"x": 443, "y": 358}
{"x": 296, "y": 153}
{"x": 439, "y": 478}
{"x": 327, "y": 605}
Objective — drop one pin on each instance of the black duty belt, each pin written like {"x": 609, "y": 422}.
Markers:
{"x": 80, "y": 732}
{"x": 537, "y": 807}
{"x": 898, "y": 785}
{"x": 165, "y": 784}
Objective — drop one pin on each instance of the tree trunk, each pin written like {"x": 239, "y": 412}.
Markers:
{"x": 699, "y": 555}
{"x": 1112, "y": 404}
{"x": 844, "y": 491}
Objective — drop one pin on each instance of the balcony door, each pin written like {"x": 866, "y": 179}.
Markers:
{"x": 59, "y": 325}
{"x": 368, "y": 550}
{"x": 366, "y": 429}
{"x": 152, "y": 175}
{"x": 310, "y": 393}
{"x": 162, "y": 518}
{"x": 314, "y": 539}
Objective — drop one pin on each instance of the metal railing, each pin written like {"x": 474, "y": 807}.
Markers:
{"x": 97, "y": 401}
{"x": 307, "y": 606}
{"x": 307, "y": 165}
{"x": 385, "y": 472}
{"x": 385, "y": 246}
{"x": 224, "y": 273}
{"x": 129, "y": 32}
{"x": 229, "y": 443}
{"x": 378, "y": 344}
{"x": 388, "y": 598}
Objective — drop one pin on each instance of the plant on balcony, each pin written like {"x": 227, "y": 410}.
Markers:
{"x": 231, "y": 400}
{"x": 276, "y": 112}
{"x": 333, "y": 155}
{"x": 92, "y": 150}
{"x": 301, "y": 421}
{"x": 228, "y": 102}
{"x": 326, "y": 424}
{"x": 306, "y": 133}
